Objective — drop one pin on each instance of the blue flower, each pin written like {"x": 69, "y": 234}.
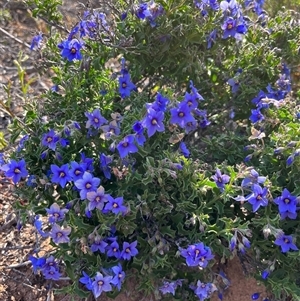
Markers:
{"x": 220, "y": 179}
{"x": 119, "y": 277}
{"x": 104, "y": 165}
{"x": 258, "y": 198}
{"x": 153, "y": 122}
{"x": 86, "y": 184}
{"x": 50, "y": 139}
{"x": 127, "y": 146}
{"x": 36, "y": 42}
{"x": 115, "y": 205}
{"x": 99, "y": 245}
{"x": 256, "y": 116}
{"x": 287, "y": 205}
{"x": 87, "y": 281}
{"x": 101, "y": 284}
{"x": 55, "y": 214}
{"x": 229, "y": 28}
{"x": 71, "y": 50}
{"x": 77, "y": 170}
{"x": 125, "y": 85}
{"x": 95, "y": 119}
{"x": 15, "y": 170}
{"x": 184, "y": 150}
{"x": 37, "y": 263}
{"x": 181, "y": 115}
{"x": 211, "y": 38}
{"x": 129, "y": 250}
{"x": 285, "y": 242}
{"x": 60, "y": 175}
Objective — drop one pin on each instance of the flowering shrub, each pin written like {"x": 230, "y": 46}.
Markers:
{"x": 179, "y": 157}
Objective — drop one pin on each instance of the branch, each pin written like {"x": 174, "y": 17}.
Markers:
{"x": 14, "y": 38}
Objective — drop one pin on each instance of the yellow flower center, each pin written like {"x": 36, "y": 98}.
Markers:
{"x": 49, "y": 139}
{"x": 73, "y": 50}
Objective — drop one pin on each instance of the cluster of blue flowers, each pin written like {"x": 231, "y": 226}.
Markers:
{"x": 149, "y": 11}
{"x": 234, "y": 24}
{"x": 49, "y": 267}
{"x": 273, "y": 96}
{"x": 103, "y": 283}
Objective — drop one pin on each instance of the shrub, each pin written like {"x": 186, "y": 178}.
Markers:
{"x": 136, "y": 155}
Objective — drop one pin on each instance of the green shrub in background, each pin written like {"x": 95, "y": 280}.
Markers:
{"x": 167, "y": 145}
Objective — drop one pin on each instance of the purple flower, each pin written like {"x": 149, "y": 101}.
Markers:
{"x": 211, "y": 38}
{"x": 77, "y": 170}
{"x": 119, "y": 277}
{"x": 71, "y": 50}
{"x": 234, "y": 84}
{"x": 160, "y": 104}
{"x": 101, "y": 284}
{"x": 168, "y": 287}
{"x": 60, "y": 235}
{"x": 55, "y": 214}
{"x": 153, "y": 122}
{"x": 37, "y": 263}
{"x": 285, "y": 242}
{"x": 15, "y": 170}
{"x": 203, "y": 290}
{"x": 39, "y": 225}
{"x": 258, "y": 197}
{"x": 129, "y": 250}
{"x": 256, "y": 116}
{"x": 143, "y": 11}
{"x": 229, "y": 27}
{"x": 265, "y": 274}
{"x": 51, "y": 273}
{"x": 88, "y": 162}
{"x": 104, "y": 165}
{"x": 115, "y": 205}
{"x": 125, "y": 85}
{"x": 36, "y": 42}
{"x": 181, "y": 115}
{"x": 95, "y": 119}
{"x": 253, "y": 178}
{"x": 127, "y": 146}
{"x": 140, "y": 138}
{"x": 287, "y": 205}
{"x": 197, "y": 255}
{"x": 98, "y": 245}
{"x": 113, "y": 250}
{"x": 232, "y": 243}
{"x": 112, "y": 129}
{"x": 60, "y": 174}
{"x": 86, "y": 184}
{"x": 97, "y": 199}
{"x": 87, "y": 281}
{"x": 184, "y": 150}
{"x": 220, "y": 179}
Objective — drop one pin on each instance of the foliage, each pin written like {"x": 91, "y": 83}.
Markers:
{"x": 136, "y": 171}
